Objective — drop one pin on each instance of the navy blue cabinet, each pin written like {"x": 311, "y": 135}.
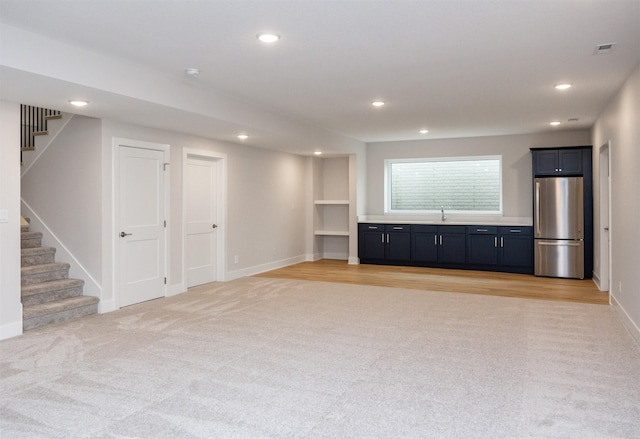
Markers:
{"x": 452, "y": 244}
{"x": 439, "y": 244}
{"x": 516, "y": 248}
{"x": 558, "y": 161}
{"x": 494, "y": 248}
{"x": 482, "y": 245}
{"x": 371, "y": 241}
{"x": 424, "y": 243}
{"x": 384, "y": 243}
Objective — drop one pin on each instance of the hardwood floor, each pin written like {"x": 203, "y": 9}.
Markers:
{"x": 436, "y": 279}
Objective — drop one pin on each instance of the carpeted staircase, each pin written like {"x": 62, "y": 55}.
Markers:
{"x": 48, "y": 295}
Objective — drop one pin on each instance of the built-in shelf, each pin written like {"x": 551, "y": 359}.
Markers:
{"x": 331, "y": 202}
{"x": 331, "y": 233}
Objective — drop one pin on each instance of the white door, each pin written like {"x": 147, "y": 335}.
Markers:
{"x": 201, "y": 207}
{"x": 141, "y": 225}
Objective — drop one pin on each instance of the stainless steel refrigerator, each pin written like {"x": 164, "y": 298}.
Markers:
{"x": 558, "y": 224}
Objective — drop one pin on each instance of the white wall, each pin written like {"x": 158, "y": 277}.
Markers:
{"x": 516, "y": 163}
{"x": 10, "y": 305}
{"x": 62, "y": 195}
{"x": 266, "y": 193}
{"x": 619, "y": 123}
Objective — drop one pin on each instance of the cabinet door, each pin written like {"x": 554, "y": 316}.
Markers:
{"x": 483, "y": 249}
{"x": 545, "y": 162}
{"x": 453, "y": 248}
{"x": 398, "y": 246}
{"x": 570, "y": 161}
{"x": 516, "y": 251}
{"x": 371, "y": 243}
{"x": 424, "y": 247}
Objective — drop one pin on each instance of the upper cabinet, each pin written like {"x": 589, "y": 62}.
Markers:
{"x": 557, "y": 161}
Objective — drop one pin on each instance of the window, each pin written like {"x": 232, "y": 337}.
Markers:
{"x": 459, "y": 184}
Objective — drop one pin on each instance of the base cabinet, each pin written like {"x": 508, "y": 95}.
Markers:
{"x": 491, "y": 248}
{"x": 384, "y": 243}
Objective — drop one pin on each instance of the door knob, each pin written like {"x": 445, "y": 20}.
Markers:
{"x": 122, "y": 234}
{"x": 215, "y": 226}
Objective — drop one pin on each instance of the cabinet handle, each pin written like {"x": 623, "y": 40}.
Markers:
{"x": 435, "y": 239}
{"x": 387, "y": 238}
{"x": 560, "y": 170}
{"x": 373, "y": 227}
{"x": 382, "y": 237}
{"x": 482, "y": 230}
{"x": 495, "y": 241}
{"x": 398, "y": 228}
{"x": 501, "y": 242}
{"x": 440, "y": 239}
{"x": 515, "y": 231}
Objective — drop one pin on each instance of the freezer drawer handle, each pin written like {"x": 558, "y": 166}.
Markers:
{"x": 560, "y": 243}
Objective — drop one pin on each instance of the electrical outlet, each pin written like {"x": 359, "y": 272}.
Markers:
{"x": 236, "y": 259}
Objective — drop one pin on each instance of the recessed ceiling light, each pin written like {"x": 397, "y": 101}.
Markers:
{"x": 554, "y": 123}
{"x": 377, "y": 103}
{"x": 192, "y": 71}
{"x": 562, "y": 86}
{"x": 317, "y": 152}
{"x": 424, "y": 131}
{"x": 243, "y": 136}
{"x": 78, "y": 103}
{"x": 267, "y": 37}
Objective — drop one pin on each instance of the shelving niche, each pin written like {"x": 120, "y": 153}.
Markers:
{"x": 331, "y": 223}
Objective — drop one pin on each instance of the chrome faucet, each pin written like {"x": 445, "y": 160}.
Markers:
{"x": 443, "y": 215}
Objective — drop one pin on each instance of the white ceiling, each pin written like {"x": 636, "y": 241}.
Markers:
{"x": 457, "y": 67}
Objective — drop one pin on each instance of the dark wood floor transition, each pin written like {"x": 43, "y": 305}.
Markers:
{"x": 436, "y": 279}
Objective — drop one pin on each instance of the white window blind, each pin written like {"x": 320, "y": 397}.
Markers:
{"x": 469, "y": 184}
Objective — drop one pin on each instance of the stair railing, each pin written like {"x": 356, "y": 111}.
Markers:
{"x": 33, "y": 122}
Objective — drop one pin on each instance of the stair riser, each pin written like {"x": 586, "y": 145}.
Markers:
{"x": 45, "y": 258}
{"x": 51, "y": 296}
{"x": 31, "y": 243}
{"x": 64, "y": 316}
{"x": 36, "y": 278}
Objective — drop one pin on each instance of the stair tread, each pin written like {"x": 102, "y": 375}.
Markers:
{"x": 30, "y": 235}
{"x": 43, "y": 268}
{"x": 52, "y": 285}
{"x": 37, "y": 251}
{"x": 41, "y": 309}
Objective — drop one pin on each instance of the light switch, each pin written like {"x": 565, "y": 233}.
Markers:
{"x": 4, "y": 216}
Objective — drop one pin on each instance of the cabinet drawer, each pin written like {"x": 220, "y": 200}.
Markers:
{"x": 424, "y": 229}
{"x": 363, "y": 227}
{"x": 482, "y": 230}
{"x": 397, "y": 228}
{"x": 516, "y": 230}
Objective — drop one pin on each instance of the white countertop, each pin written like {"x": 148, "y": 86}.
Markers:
{"x": 452, "y": 220}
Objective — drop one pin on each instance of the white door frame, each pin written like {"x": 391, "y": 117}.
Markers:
{"x": 116, "y": 143}
{"x": 221, "y": 184}
{"x": 604, "y": 161}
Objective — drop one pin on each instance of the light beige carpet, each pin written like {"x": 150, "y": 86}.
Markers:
{"x": 269, "y": 358}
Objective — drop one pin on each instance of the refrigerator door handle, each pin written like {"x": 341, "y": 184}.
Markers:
{"x": 561, "y": 243}
{"x": 537, "y": 208}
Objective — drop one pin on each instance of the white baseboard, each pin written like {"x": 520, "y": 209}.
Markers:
{"x": 11, "y": 330}
{"x": 176, "y": 289}
{"x": 105, "y": 306}
{"x": 628, "y": 323}
{"x": 353, "y": 260}
{"x": 257, "y": 269}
